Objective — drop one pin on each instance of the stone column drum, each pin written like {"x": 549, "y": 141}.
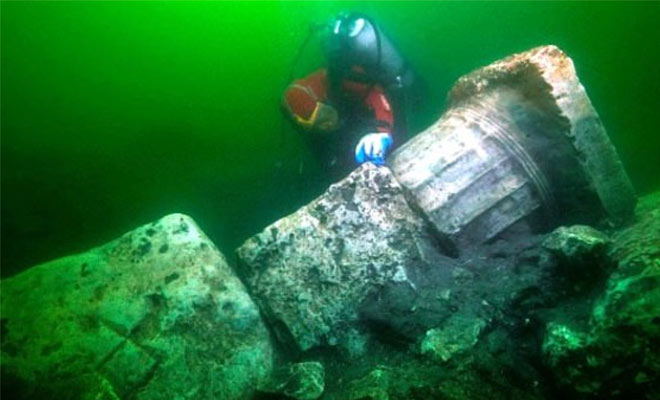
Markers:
{"x": 519, "y": 142}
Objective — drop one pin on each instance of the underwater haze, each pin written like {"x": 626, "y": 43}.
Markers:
{"x": 117, "y": 113}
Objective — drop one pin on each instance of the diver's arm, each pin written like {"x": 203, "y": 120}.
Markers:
{"x": 305, "y": 101}
{"x": 378, "y": 103}
{"x": 374, "y": 146}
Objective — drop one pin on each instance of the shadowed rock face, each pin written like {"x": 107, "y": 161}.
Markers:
{"x": 156, "y": 314}
{"x": 568, "y": 315}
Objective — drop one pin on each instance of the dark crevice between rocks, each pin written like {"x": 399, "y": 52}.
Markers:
{"x": 387, "y": 335}
{"x": 444, "y": 244}
{"x": 502, "y": 282}
{"x": 284, "y": 343}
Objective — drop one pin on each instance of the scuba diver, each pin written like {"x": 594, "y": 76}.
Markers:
{"x": 356, "y": 107}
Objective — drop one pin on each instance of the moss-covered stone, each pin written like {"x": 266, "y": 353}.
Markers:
{"x": 310, "y": 271}
{"x": 576, "y": 243}
{"x": 457, "y": 335}
{"x": 616, "y": 356}
{"x": 300, "y": 381}
{"x": 374, "y": 386}
{"x": 127, "y": 320}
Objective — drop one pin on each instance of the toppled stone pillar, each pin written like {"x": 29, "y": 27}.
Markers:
{"x": 156, "y": 314}
{"x": 519, "y": 142}
{"x": 520, "y": 146}
{"x": 310, "y": 271}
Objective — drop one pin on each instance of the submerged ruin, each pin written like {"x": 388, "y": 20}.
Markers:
{"x": 500, "y": 254}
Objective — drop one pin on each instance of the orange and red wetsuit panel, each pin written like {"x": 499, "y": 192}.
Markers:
{"x": 306, "y": 100}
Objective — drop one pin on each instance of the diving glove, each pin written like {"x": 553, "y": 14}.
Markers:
{"x": 373, "y": 147}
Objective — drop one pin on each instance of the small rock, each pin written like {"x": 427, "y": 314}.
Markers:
{"x": 354, "y": 343}
{"x": 559, "y": 340}
{"x": 457, "y": 335}
{"x": 576, "y": 243}
{"x": 374, "y": 386}
{"x": 301, "y": 381}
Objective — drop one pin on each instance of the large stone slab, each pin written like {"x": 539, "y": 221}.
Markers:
{"x": 310, "y": 271}
{"x": 156, "y": 314}
{"x": 520, "y": 142}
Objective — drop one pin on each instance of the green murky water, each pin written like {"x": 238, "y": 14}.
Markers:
{"x": 117, "y": 113}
